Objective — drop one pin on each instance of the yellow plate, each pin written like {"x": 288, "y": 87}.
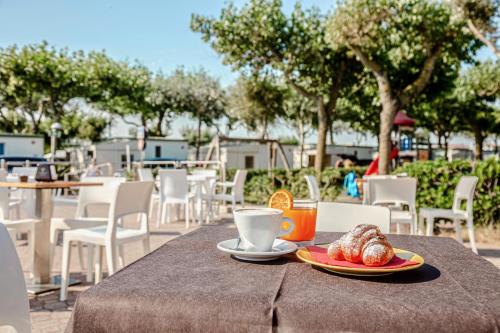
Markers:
{"x": 304, "y": 255}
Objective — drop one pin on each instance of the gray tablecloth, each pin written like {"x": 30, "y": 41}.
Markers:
{"x": 188, "y": 285}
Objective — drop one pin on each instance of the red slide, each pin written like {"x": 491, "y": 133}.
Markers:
{"x": 373, "y": 167}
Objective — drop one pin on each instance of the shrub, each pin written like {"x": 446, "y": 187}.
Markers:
{"x": 436, "y": 184}
{"x": 259, "y": 186}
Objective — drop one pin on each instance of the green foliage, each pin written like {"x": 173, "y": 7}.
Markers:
{"x": 477, "y": 91}
{"x": 202, "y": 99}
{"x": 259, "y": 186}
{"x": 483, "y": 17}
{"x": 40, "y": 81}
{"x": 300, "y": 115}
{"x": 480, "y": 82}
{"x": 437, "y": 181}
{"x": 191, "y": 136}
{"x": 403, "y": 43}
{"x": 259, "y": 38}
{"x": 288, "y": 140}
{"x": 399, "y": 35}
{"x": 360, "y": 106}
{"x": 77, "y": 125}
{"x": 13, "y": 122}
{"x": 257, "y": 102}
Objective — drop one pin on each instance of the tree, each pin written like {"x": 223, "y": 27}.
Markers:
{"x": 132, "y": 90}
{"x": 190, "y": 134}
{"x": 202, "y": 99}
{"x": 23, "y": 89}
{"x": 12, "y": 122}
{"x": 482, "y": 17}
{"x": 440, "y": 116}
{"x": 257, "y": 102}
{"x": 92, "y": 128}
{"x": 125, "y": 89}
{"x": 260, "y": 38}
{"x": 478, "y": 91}
{"x": 77, "y": 125}
{"x": 360, "y": 106}
{"x": 300, "y": 115}
{"x": 165, "y": 101}
{"x": 399, "y": 42}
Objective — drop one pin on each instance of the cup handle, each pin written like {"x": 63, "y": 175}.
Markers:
{"x": 290, "y": 228}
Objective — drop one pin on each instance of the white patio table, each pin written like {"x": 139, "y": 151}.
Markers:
{"x": 42, "y": 281}
{"x": 198, "y": 182}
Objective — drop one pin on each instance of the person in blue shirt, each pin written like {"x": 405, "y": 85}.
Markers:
{"x": 350, "y": 185}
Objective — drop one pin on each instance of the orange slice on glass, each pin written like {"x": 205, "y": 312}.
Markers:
{"x": 281, "y": 199}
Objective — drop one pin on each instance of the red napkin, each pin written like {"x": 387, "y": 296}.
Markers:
{"x": 320, "y": 255}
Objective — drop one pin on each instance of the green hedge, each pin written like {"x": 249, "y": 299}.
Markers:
{"x": 436, "y": 184}
{"x": 259, "y": 186}
{"x": 437, "y": 181}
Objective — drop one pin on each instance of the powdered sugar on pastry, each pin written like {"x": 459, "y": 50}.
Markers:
{"x": 363, "y": 244}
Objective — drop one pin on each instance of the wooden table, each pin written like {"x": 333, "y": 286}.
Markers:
{"x": 42, "y": 280}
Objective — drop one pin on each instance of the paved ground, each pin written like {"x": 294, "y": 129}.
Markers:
{"x": 50, "y": 315}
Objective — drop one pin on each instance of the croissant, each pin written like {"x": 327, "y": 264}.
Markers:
{"x": 363, "y": 244}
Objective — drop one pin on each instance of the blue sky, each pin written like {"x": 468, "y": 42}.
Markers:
{"x": 156, "y": 33}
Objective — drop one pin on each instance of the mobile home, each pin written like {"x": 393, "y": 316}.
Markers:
{"x": 22, "y": 145}
{"x": 114, "y": 150}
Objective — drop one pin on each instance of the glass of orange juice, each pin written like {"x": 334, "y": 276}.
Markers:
{"x": 303, "y": 215}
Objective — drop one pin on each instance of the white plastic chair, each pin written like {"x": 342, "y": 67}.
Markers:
{"x": 464, "y": 191}
{"x": 174, "y": 190}
{"x": 87, "y": 196}
{"x": 366, "y": 185}
{"x": 342, "y": 217}
{"x": 396, "y": 193}
{"x": 312, "y": 185}
{"x": 129, "y": 199}
{"x": 21, "y": 197}
{"x": 14, "y": 304}
{"x": 18, "y": 225}
{"x": 237, "y": 187}
{"x": 146, "y": 175}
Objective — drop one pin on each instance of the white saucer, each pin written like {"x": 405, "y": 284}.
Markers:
{"x": 280, "y": 247}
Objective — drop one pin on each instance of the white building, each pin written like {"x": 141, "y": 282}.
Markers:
{"x": 247, "y": 155}
{"x": 21, "y": 145}
{"x": 114, "y": 151}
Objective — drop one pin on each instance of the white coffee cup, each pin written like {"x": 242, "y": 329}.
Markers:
{"x": 259, "y": 227}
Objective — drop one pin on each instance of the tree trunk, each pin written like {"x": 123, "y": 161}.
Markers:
{"x": 479, "y": 138}
{"x": 263, "y": 132}
{"x": 429, "y": 149}
{"x": 322, "y": 134}
{"x": 159, "y": 130}
{"x": 440, "y": 145}
{"x": 389, "y": 109}
{"x": 332, "y": 142}
{"x": 302, "y": 139}
{"x": 198, "y": 139}
{"x": 446, "y": 147}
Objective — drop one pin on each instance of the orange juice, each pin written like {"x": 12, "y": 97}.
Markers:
{"x": 304, "y": 219}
